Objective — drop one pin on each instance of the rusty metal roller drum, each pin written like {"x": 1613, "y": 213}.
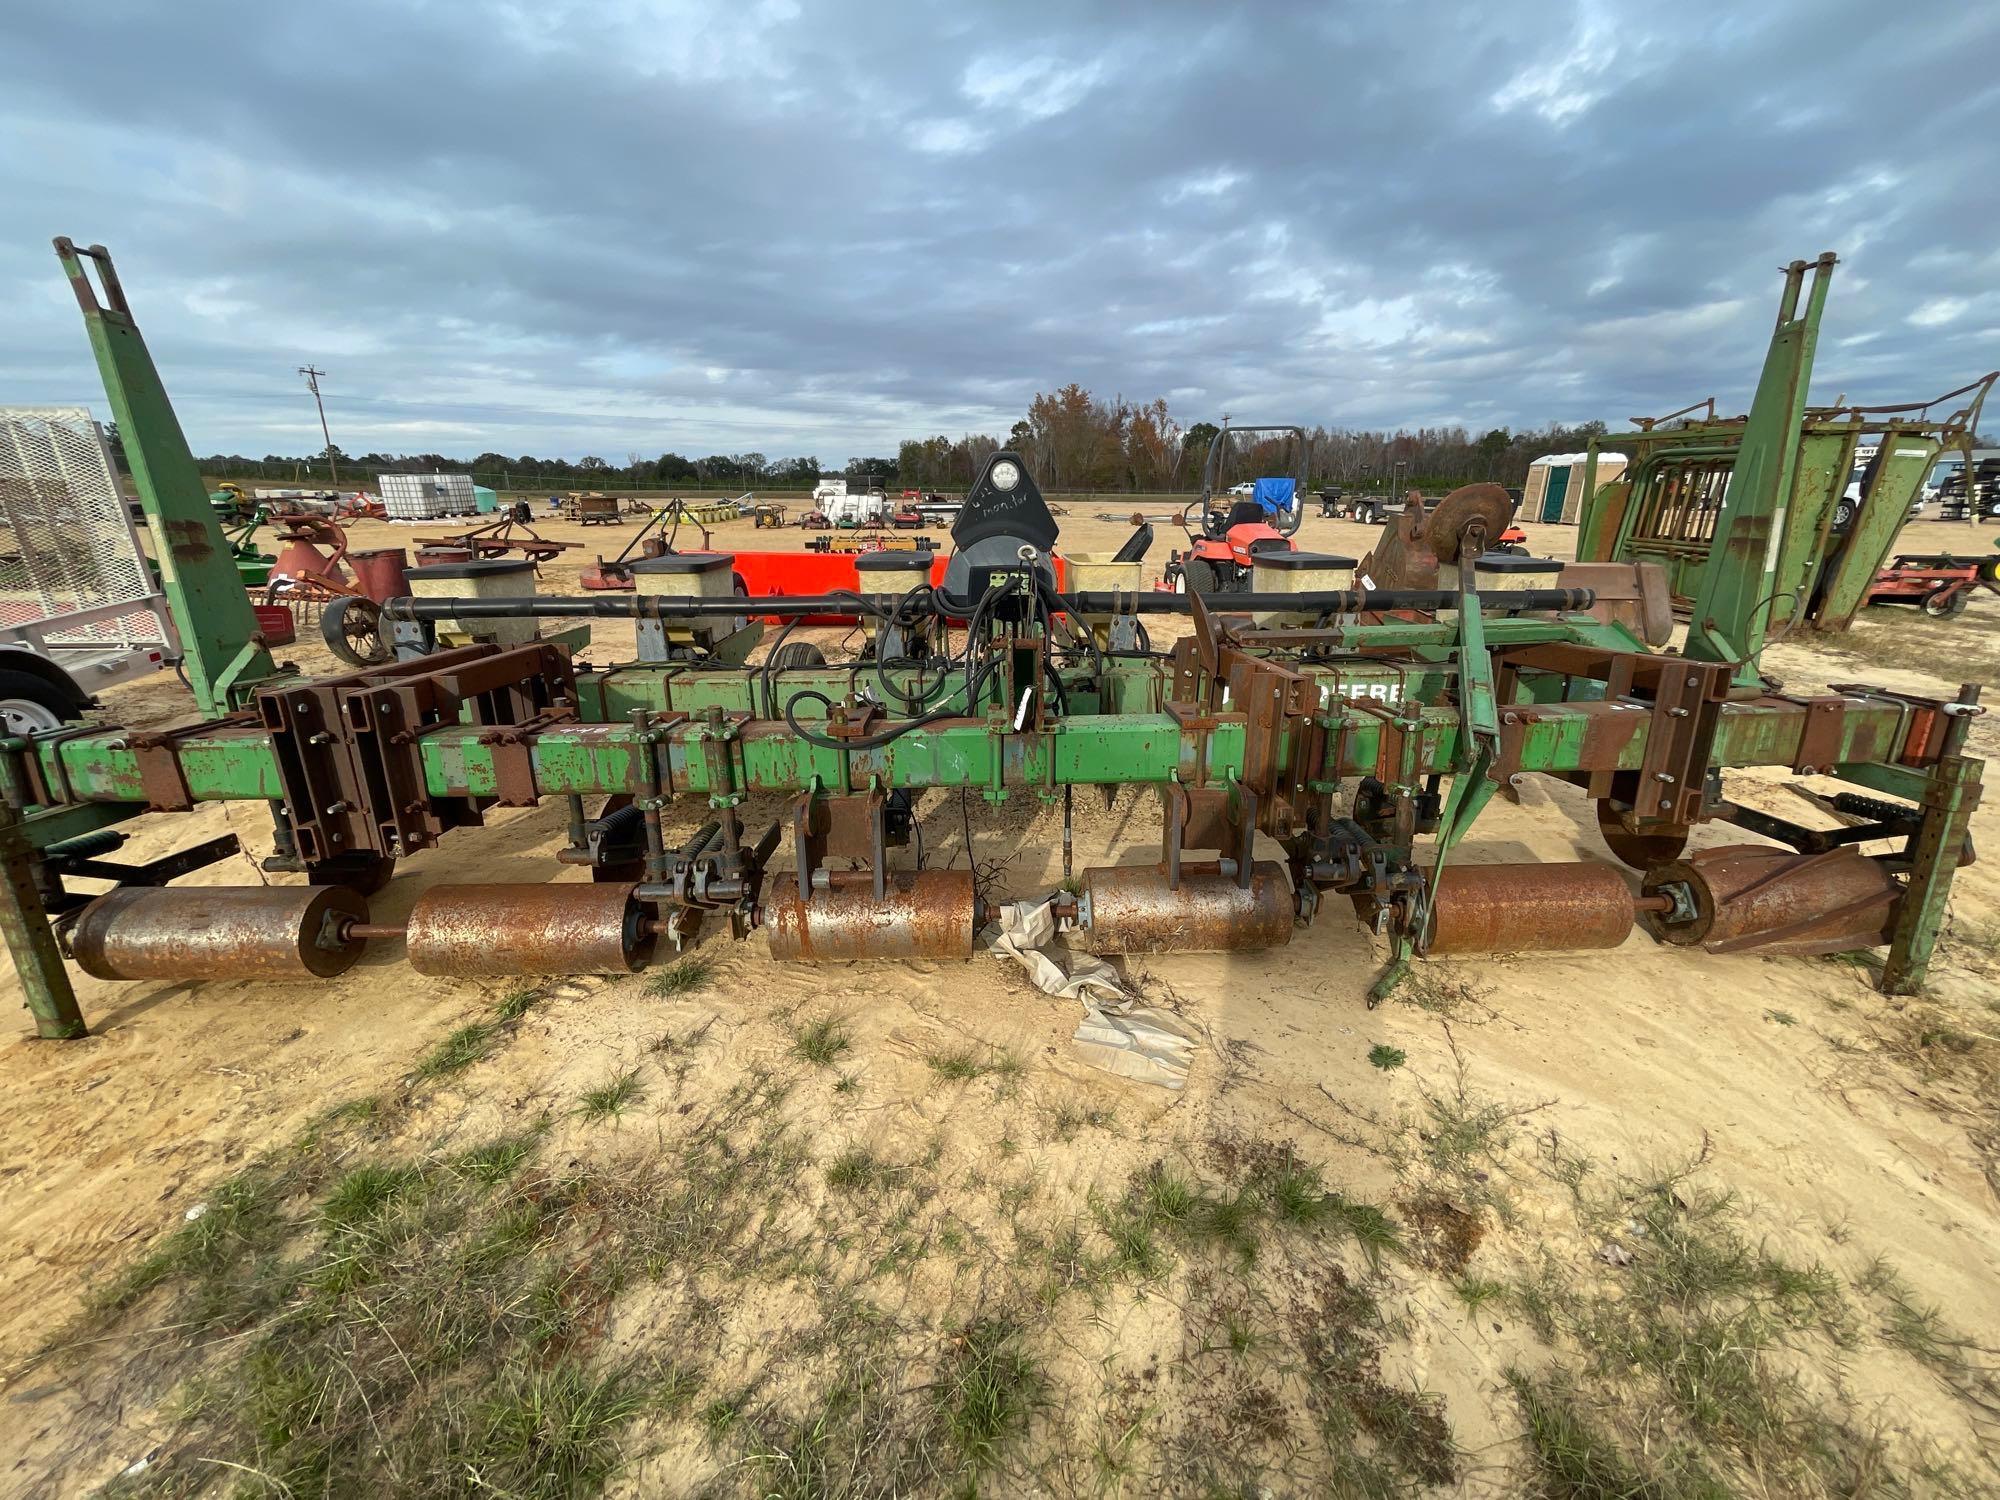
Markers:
{"x": 493, "y": 931}
{"x": 219, "y": 932}
{"x": 1749, "y": 896}
{"x": 927, "y": 915}
{"x": 1132, "y": 909}
{"x": 1529, "y": 908}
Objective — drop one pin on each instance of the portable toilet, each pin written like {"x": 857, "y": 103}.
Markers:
{"x": 1547, "y": 488}
{"x": 1554, "y": 491}
{"x": 485, "y": 499}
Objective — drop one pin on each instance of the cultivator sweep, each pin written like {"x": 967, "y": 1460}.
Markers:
{"x": 1308, "y": 744}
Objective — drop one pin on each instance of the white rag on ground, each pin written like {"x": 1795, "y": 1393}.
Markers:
{"x": 1117, "y": 1033}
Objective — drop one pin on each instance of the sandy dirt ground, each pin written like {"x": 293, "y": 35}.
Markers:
{"x": 1785, "y": 1080}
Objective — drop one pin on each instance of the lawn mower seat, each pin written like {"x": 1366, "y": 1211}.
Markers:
{"x": 1247, "y": 513}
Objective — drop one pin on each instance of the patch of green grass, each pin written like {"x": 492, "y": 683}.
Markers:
{"x": 609, "y": 1100}
{"x": 242, "y": 1220}
{"x": 509, "y": 1235}
{"x": 855, "y": 1169}
{"x": 1475, "y": 1292}
{"x": 469, "y": 1044}
{"x": 516, "y": 1004}
{"x": 690, "y": 972}
{"x": 551, "y": 1433}
{"x": 721, "y": 1415}
{"x": 1387, "y": 1058}
{"x": 1781, "y": 1017}
{"x": 365, "y": 1192}
{"x": 1135, "y": 1249}
{"x": 1371, "y": 1229}
{"x": 1575, "y": 1458}
{"x": 988, "y": 1392}
{"x": 1297, "y": 1194}
{"x": 1167, "y": 1196}
{"x": 497, "y": 1160}
{"x": 847, "y": 1083}
{"x": 1694, "y": 1340}
{"x": 959, "y": 1064}
{"x": 1231, "y": 1221}
{"x": 823, "y": 1041}
{"x": 1918, "y": 1329}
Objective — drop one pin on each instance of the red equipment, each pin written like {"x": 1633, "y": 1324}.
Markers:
{"x": 275, "y": 624}
{"x": 1937, "y": 583}
{"x": 303, "y": 535}
{"x": 382, "y": 572}
{"x": 1221, "y": 564}
{"x": 1233, "y": 529}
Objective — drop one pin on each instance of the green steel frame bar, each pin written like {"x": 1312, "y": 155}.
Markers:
{"x": 224, "y": 655}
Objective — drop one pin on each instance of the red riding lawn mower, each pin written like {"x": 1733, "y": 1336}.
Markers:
{"x": 1257, "y": 516}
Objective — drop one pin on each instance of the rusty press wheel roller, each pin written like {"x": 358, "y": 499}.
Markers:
{"x": 1529, "y": 908}
{"x": 1132, "y": 909}
{"x": 1748, "y": 897}
{"x": 220, "y": 932}
{"x": 495, "y": 931}
{"x": 933, "y": 914}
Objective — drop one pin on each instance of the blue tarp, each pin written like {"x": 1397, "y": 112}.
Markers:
{"x": 1276, "y": 496}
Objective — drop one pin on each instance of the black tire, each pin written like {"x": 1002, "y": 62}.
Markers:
{"x": 1946, "y": 603}
{"x": 796, "y": 654}
{"x": 1843, "y": 514}
{"x": 31, "y": 704}
{"x": 1198, "y": 576}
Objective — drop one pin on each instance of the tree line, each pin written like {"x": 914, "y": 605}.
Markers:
{"x": 1071, "y": 439}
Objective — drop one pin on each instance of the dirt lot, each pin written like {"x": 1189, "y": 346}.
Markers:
{"x": 1639, "y": 1223}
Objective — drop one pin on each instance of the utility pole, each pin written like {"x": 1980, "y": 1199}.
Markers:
{"x": 312, "y": 384}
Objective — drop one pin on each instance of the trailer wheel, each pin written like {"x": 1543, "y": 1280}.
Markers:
{"x": 795, "y": 654}
{"x": 32, "y": 705}
{"x": 1946, "y": 602}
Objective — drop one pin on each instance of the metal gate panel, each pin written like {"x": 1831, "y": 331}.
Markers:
{"x": 72, "y": 572}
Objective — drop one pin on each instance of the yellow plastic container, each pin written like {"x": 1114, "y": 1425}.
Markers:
{"x": 494, "y": 578}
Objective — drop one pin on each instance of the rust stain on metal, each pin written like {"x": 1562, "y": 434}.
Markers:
{"x": 190, "y": 539}
{"x": 492, "y": 931}
{"x": 1529, "y": 908}
{"x": 220, "y": 932}
{"x": 1750, "y": 897}
{"x": 1133, "y": 909}
{"x": 928, "y": 915}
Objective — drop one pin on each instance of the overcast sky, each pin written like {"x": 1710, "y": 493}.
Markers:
{"x": 623, "y": 227}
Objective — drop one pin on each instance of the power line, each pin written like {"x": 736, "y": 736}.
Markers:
{"x": 312, "y": 383}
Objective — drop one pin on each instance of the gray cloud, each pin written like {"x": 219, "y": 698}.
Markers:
{"x": 631, "y": 227}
